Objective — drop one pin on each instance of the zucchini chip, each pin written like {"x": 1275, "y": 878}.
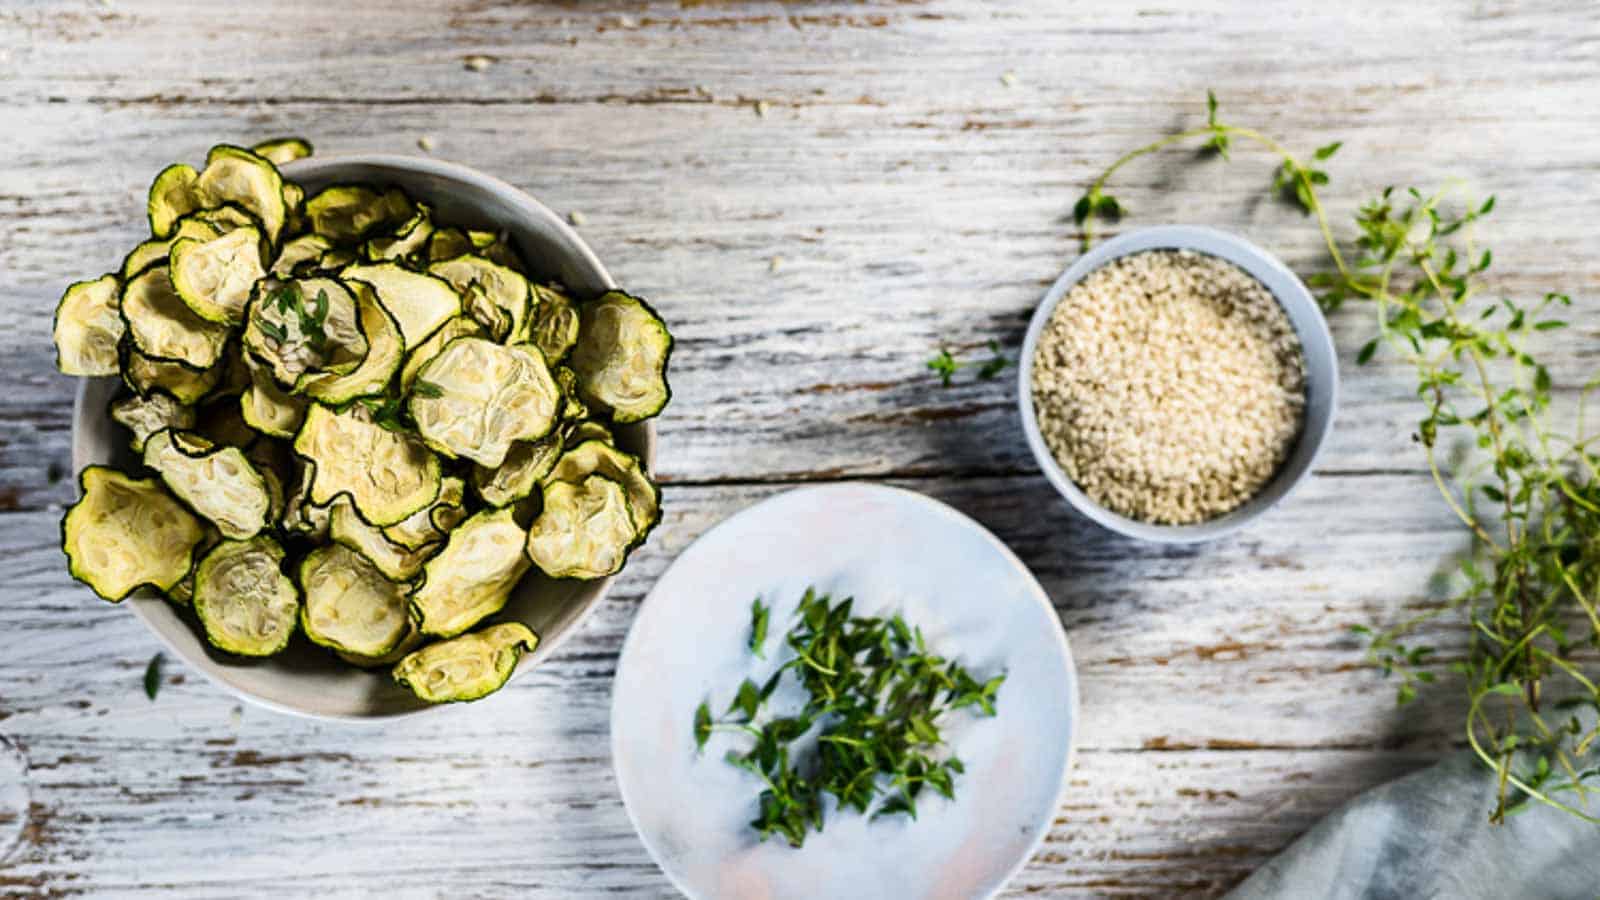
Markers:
{"x": 588, "y": 431}
{"x": 299, "y": 255}
{"x": 215, "y": 277}
{"x": 419, "y": 303}
{"x": 416, "y": 358}
{"x": 481, "y": 397}
{"x": 595, "y": 457}
{"x": 554, "y": 328}
{"x": 88, "y": 326}
{"x": 584, "y": 530}
{"x": 155, "y": 250}
{"x": 448, "y": 243}
{"x": 235, "y": 175}
{"x": 505, "y": 295}
{"x": 345, "y": 213}
{"x": 146, "y": 375}
{"x": 410, "y": 642}
{"x": 163, "y": 327}
{"x": 302, "y": 517}
{"x": 124, "y": 533}
{"x": 472, "y": 577}
{"x": 282, "y": 150}
{"x": 467, "y": 667}
{"x": 349, "y": 605}
{"x": 270, "y": 409}
{"x": 396, "y": 562}
{"x": 173, "y": 195}
{"x": 145, "y": 416}
{"x": 432, "y": 524}
{"x": 222, "y": 423}
{"x": 408, "y": 241}
{"x": 499, "y": 250}
{"x": 228, "y": 217}
{"x": 385, "y": 351}
{"x": 526, "y": 464}
{"x": 182, "y": 593}
{"x": 621, "y": 357}
{"x": 245, "y": 603}
{"x": 386, "y": 474}
{"x": 219, "y": 483}
{"x": 304, "y": 326}
{"x": 573, "y": 409}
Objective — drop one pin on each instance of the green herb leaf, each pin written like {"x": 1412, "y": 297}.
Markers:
{"x": 152, "y": 676}
{"x": 426, "y": 389}
{"x": 759, "y": 617}
{"x": 1328, "y": 150}
{"x": 702, "y": 725}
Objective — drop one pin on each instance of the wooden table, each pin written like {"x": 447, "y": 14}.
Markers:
{"x": 817, "y": 195}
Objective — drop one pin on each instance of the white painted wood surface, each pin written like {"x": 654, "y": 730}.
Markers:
{"x": 913, "y": 198}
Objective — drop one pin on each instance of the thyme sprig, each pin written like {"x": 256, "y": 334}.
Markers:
{"x": 946, "y": 366}
{"x": 1528, "y": 490}
{"x": 878, "y": 702}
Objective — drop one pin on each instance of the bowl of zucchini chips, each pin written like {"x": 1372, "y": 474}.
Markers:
{"x": 360, "y": 435}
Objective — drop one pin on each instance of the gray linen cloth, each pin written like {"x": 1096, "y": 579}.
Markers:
{"x": 1427, "y": 835}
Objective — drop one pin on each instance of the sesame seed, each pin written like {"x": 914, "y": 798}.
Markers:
{"x": 477, "y": 63}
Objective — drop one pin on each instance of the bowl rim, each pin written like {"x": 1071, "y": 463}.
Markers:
{"x": 211, "y": 669}
{"x": 1293, "y": 297}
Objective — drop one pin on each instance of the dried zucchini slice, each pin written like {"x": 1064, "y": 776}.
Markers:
{"x": 304, "y": 326}
{"x": 598, "y": 458}
{"x": 501, "y": 288}
{"x": 525, "y": 466}
{"x": 282, "y": 150}
{"x": 219, "y": 483}
{"x": 155, "y": 250}
{"x": 499, "y": 250}
{"x": 88, "y": 326}
{"x": 460, "y": 326}
{"x": 397, "y": 563}
{"x": 163, "y": 327}
{"x": 387, "y": 475}
{"x": 145, "y": 416}
{"x": 467, "y": 667}
{"x": 588, "y": 431}
{"x": 472, "y": 577}
{"x": 433, "y": 524}
{"x": 554, "y": 328}
{"x": 482, "y": 397}
{"x": 584, "y": 530}
{"x": 245, "y": 603}
{"x": 301, "y": 516}
{"x": 182, "y": 593}
{"x": 385, "y": 351}
{"x": 215, "y": 277}
{"x": 222, "y": 423}
{"x": 345, "y": 213}
{"x": 408, "y": 241}
{"x": 419, "y": 303}
{"x": 235, "y": 175}
{"x": 228, "y": 217}
{"x": 573, "y": 408}
{"x": 173, "y": 195}
{"x": 448, "y": 243}
{"x": 349, "y": 605}
{"x": 124, "y": 533}
{"x": 300, "y": 254}
{"x": 270, "y": 409}
{"x": 621, "y": 357}
{"x": 146, "y": 376}
{"x": 410, "y": 642}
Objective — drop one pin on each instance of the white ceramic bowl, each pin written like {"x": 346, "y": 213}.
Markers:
{"x": 1322, "y": 374}
{"x": 306, "y": 679}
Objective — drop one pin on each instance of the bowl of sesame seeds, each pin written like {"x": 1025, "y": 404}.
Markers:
{"x": 1177, "y": 382}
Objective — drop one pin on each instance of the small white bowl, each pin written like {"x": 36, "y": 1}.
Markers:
{"x": 1316, "y": 344}
{"x": 308, "y": 680}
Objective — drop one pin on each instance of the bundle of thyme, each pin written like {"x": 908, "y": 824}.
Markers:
{"x": 1528, "y": 490}
{"x": 880, "y": 699}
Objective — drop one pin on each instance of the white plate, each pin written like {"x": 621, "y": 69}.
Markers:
{"x": 893, "y": 551}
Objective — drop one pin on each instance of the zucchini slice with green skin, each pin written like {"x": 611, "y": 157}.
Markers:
{"x": 472, "y": 577}
{"x": 163, "y": 327}
{"x": 396, "y": 562}
{"x": 410, "y": 642}
{"x": 408, "y": 241}
{"x": 385, "y": 351}
{"x": 621, "y": 357}
{"x": 147, "y": 376}
{"x": 235, "y": 175}
{"x": 503, "y": 290}
{"x": 155, "y": 250}
{"x": 294, "y": 220}
{"x": 554, "y": 328}
{"x": 349, "y": 605}
{"x": 144, "y": 416}
{"x": 573, "y": 409}
{"x": 482, "y": 397}
{"x": 299, "y": 255}
{"x": 387, "y": 475}
{"x": 468, "y": 667}
{"x": 432, "y": 525}
{"x": 270, "y": 409}
{"x": 417, "y": 357}
{"x": 300, "y": 516}
{"x": 499, "y": 250}
{"x": 221, "y": 422}
{"x": 584, "y": 530}
{"x": 282, "y": 150}
{"x": 125, "y": 533}
{"x": 594, "y": 457}
{"x": 525, "y": 466}
{"x": 219, "y": 483}
{"x": 588, "y": 431}
{"x": 229, "y": 217}
{"x": 173, "y": 195}
{"x": 345, "y": 213}
{"x": 419, "y": 303}
{"x": 448, "y": 243}
{"x": 303, "y": 327}
{"x": 245, "y": 603}
{"x": 88, "y": 327}
{"x": 215, "y": 277}
{"x": 182, "y": 593}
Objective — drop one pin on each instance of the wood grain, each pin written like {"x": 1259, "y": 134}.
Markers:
{"x": 910, "y": 198}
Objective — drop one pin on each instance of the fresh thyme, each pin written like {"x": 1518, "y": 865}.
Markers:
{"x": 880, "y": 699}
{"x": 387, "y": 413}
{"x": 289, "y": 301}
{"x": 426, "y": 389}
{"x": 946, "y": 366}
{"x": 152, "y": 676}
{"x": 1527, "y": 489}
